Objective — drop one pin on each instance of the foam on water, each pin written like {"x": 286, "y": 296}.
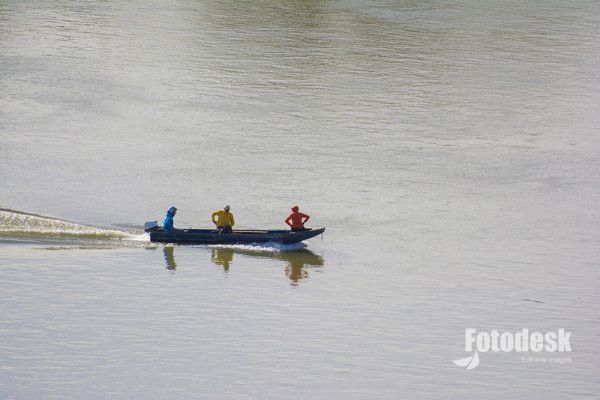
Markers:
{"x": 263, "y": 247}
{"x": 19, "y": 226}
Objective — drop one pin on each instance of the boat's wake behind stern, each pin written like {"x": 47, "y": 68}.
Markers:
{"x": 25, "y": 227}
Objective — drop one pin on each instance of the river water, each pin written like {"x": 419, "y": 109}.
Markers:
{"x": 451, "y": 148}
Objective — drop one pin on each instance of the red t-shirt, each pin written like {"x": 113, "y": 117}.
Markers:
{"x": 296, "y": 218}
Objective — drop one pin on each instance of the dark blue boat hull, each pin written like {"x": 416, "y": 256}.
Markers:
{"x": 208, "y": 236}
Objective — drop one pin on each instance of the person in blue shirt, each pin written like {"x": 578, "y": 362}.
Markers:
{"x": 168, "y": 224}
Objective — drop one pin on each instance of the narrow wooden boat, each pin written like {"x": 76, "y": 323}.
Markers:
{"x": 212, "y": 236}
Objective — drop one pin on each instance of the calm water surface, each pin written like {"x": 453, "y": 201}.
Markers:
{"x": 451, "y": 149}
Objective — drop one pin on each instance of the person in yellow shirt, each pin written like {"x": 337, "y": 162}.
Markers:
{"x": 225, "y": 220}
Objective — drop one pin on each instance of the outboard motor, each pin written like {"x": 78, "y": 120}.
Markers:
{"x": 151, "y": 226}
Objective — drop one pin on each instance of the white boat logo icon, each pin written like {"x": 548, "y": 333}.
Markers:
{"x": 469, "y": 362}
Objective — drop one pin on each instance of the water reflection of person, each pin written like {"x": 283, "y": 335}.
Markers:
{"x": 295, "y": 271}
{"x": 298, "y": 263}
{"x": 222, "y": 257}
{"x": 170, "y": 258}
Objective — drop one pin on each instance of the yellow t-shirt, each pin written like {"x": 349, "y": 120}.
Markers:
{"x": 224, "y": 217}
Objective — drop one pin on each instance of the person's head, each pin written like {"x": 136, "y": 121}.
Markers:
{"x": 172, "y": 211}
{"x": 295, "y": 208}
{"x": 226, "y": 208}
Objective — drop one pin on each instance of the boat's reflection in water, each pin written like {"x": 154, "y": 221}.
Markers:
{"x": 298, "y": 262}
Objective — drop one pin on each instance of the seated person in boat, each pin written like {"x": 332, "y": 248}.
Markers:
{"x": 225, "y": 220}
{"x": 168, "y": 224}
{"x": 296, "y": 220}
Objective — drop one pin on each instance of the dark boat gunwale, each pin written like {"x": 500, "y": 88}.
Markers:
{"x": 246, "y": 236}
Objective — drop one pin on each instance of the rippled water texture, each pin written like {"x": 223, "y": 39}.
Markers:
{"x": 450, "y": 148}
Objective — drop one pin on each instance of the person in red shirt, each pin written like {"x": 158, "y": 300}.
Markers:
{"x": 297, "y": 220}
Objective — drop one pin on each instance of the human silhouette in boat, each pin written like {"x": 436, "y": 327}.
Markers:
{"x": 296, "y": 220}
{"x": 168, "y": 224}
{"x": 224, "y": 220}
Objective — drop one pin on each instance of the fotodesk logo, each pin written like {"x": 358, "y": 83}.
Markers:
{"x": 519, "y": 342}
